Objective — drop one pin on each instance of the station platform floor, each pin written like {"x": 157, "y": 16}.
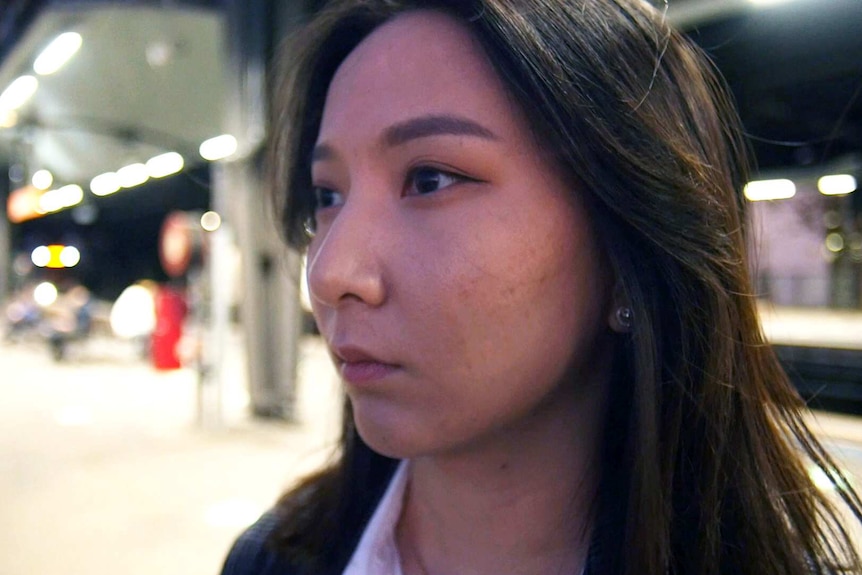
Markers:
{"x": 105, "y": 467}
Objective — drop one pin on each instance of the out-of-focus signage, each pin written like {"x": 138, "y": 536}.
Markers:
{"x": 23, "y": 204}
{"x": 176, "y": 243}
{"x": 55, "y": 256}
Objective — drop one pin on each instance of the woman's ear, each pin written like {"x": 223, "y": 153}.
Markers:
{"x": 621, "y": 318}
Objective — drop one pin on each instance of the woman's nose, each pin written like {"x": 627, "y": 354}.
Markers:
{"x": 345, "y": 260}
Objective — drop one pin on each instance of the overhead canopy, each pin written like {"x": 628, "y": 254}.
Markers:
{"x": 145, "y": 81}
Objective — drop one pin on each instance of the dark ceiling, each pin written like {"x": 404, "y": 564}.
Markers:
{"x": 796, "y": 72}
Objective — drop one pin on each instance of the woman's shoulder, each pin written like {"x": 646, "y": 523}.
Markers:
{"x": 252, "y": 554}
{"x": 315, "y": 526}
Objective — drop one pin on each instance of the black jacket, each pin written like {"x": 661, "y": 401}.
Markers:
{"x": 250, "y": 554}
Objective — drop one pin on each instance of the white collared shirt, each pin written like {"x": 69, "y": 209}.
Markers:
{"x": 377, "y": 553}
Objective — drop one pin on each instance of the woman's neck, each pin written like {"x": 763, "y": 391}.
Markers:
{"x": 518, "y": 503}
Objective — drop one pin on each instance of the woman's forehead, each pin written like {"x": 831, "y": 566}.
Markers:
{"x": 418, "y": 64}
{"x": 429, "y": 32}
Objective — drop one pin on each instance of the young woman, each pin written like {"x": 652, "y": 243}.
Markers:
{"x": 526, "y": 254}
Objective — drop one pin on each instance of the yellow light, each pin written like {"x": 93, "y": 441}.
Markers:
{"x": 132, "y": 175}
{"x": 55, "y": 262}
{"x": 18, "y": 92}
{"x": 834, "y": 242}
{"x": 42, "y": 179}
{"x": 836, "y": 185}
{"x": 57, "y": 53}
{"x": 105, "y": 184}
{"x": 164, "y": 165}
{"x": 218, "y": 148}
{"x": 763, "y": 190}
{"x": 210, "y": 221}
{"x": 70, "y": 256}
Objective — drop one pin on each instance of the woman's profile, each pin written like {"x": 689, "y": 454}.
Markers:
{"x": 527, "y": 257}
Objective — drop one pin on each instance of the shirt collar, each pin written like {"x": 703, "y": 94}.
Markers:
{"x": 377, "y": 552}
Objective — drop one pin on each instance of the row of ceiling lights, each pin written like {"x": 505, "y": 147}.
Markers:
{"x": 783, "y": 189}
{"x": 214, "y": 149}
{"x": 169, "y": 163}
{"x": 54, "y": 200}
{"x": 19, "y": 92}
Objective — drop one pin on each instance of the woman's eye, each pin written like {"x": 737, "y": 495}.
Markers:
{"x": 326, "y": 198}
{"x": 428, "y": 180}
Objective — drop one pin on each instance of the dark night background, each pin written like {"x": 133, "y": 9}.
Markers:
{"x": 121, "y": 245}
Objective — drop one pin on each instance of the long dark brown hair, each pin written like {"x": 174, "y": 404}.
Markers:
{"x": 705, "y": 432}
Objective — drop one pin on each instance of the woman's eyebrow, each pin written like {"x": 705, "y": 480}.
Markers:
{"x": 415, "y": 128}
{"x": 434, "y": 125}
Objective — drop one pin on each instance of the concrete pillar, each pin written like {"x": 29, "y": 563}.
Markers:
{"x": 269, "y": 308}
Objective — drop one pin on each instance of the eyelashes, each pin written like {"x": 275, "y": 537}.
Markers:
{"x": 426, "y": 180}
{"x": 420, "y": 181}
{"x": 323, "y": 198}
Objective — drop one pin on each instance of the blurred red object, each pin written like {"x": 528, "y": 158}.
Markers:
{"x": 171, "y": 309}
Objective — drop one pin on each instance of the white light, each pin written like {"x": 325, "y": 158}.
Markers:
{"x": 210, "y": 221}
{"x": 770, "y": 190}
{"x": 57, "y": 53}
{"x": 61, "y": 198}
{"x": 105, "y": 184}
{"x": 18, "y": 92}
{"x": 45, "y": 294}
{"x": 41, "y": 256}
{"x": 164, "y": 165}
{"x": 218, "y": 148}
{"x": 133, "y": 314}
{"x": 42, "y": 179}
{"x": 72, "y": 194}
{"x": 820, "y": 479}
{"x": 133, "y": 175}
{"x": 825, "y": 483}
{"x": 160, "y": 53}
{"x": 70, "y": 256}
{"x": 837, "y": 185}
{"x": 48, "y": 203}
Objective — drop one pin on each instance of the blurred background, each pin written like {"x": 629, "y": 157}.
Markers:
{"x": 161, "y": 380}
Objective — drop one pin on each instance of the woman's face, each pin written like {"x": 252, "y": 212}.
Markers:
{"x": 454, "y": 273}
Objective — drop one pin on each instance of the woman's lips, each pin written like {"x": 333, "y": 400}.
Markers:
{"x": 359, "y": 372}
{"x": 358, "y": 366}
